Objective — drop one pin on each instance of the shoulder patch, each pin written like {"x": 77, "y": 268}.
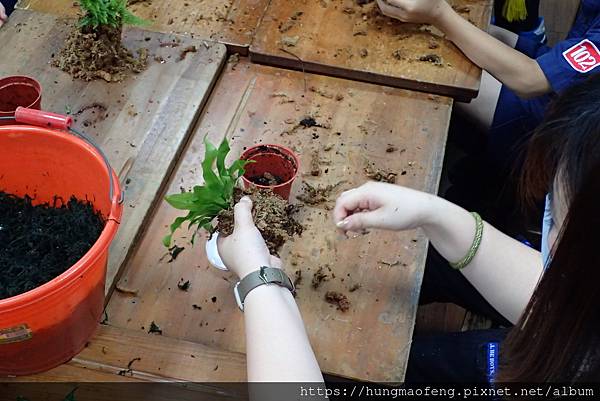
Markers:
{"x": 583, "y": 57}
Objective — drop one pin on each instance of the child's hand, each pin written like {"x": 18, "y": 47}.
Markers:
{"x": 383, "y": 206}
{"x": 418, "y": 11}
{"x": 3, "y": 16}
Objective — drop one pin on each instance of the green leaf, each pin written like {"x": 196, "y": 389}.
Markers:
{"x": 221, "y": 155}
{"x": 205, "y": 202}
{"x": 210, "y": 155}
{"x": 182, "y": 201}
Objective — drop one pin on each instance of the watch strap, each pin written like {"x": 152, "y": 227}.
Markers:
{"x": 266, "y": 275}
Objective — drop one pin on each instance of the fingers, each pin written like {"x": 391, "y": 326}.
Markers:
{"x": 350, "y": 201}
{"x": 361, "y": 221}
{"x": 243, "y": 213}
{"x": 3, "y": 16}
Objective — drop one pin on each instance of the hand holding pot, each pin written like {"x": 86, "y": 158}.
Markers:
{"x": 417, "y": 11}
{"x": 245, "y": 250}
{"x": 383, "y": 206}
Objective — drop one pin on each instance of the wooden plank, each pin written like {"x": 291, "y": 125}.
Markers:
{"x": 400, "y": 130}
{"x": 117, "y": 355}
{"x": 232, "y": 22}
{"x": 341, "y": 38}
{"x": 141, "y": 123}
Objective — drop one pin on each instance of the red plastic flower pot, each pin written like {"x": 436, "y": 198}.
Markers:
{"x": 276, "y": 160}
{"x": 18, "y": 91}
{"x": 47, "y": 326}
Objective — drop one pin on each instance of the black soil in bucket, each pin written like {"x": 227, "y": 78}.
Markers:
{"x": 39, "y": 243}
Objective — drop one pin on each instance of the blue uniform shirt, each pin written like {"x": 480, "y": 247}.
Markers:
{"x": 575, "y": 58}
{"x": 569, "y": 62}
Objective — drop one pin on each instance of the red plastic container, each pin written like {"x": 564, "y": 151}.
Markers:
{"x": 47, "y": 326}
{"x": 276, "y": 160}
{"x": 18, "y": 91}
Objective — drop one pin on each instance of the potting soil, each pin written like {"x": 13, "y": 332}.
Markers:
{"x": 40, "y": 242}
{"x": 272, "y": 214}
{"x": 98, "y": 54}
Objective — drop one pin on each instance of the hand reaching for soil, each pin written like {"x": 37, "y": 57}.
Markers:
{"x": 245, "y": 250}
{"x": 418, "y": 11}
{"x": 3, "y": 16}
{"x": 383, "y": 206}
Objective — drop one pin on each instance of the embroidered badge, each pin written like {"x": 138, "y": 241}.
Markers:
{"x": 583, "y": 57}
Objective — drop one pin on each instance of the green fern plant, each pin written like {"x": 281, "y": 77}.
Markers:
{"x": 204, "y": 202}
{"x": 107, "y": 12}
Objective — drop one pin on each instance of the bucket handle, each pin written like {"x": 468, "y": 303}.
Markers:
{"x": 46, "y": 119}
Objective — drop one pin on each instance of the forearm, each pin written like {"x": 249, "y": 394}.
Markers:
{"x": 503, "y": 270}
{"x": 277, "y": 347}
{"x": 514, "y": 69}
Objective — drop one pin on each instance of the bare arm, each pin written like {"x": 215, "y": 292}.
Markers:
{"x": 277, "y": 346}
{"x": 514, "y": 69}
{"x": 504, "y": 271}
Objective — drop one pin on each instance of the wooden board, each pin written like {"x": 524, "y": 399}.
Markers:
{"x": 108, "y": 359}
{"x": 232, "y": 22}
{"x": 141, "y": 123}
{"x": 254, "y": 104}
{"x": 340, "y": 38}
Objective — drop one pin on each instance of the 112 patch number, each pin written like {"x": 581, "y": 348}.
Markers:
{"x": 583, "y": 57}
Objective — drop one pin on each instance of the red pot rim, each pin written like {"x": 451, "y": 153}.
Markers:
{"x": 283, "y": 150}
{"x": 21, "y": 80}
{"x": 69, "y": 276}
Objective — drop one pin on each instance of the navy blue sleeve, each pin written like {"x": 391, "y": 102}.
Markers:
{"x": 571, "y": 61}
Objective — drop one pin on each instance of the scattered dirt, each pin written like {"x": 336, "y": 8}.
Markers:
{"x": 312, "y": 195}
{"x": 183, "y": 285}
{"x": 290, "y": 41}
{"x": 185, "y": 51}
{"x": 129, "y": 370}
{"x": 297, "y": 278}
{"x": 318, "y": 277}
{"x": 40, "y": 242}
{"x": 355, "y": 287}
{"x": 338, "y": 299}
{"x": 132, "y": 2}
{"x": 174, "y": 252}
{"x": 272, "y": 214}
{"x": 233, "y": 60}
{"x": 290, "y": 22}
{"x": 315, "y": 165}
{"x": 433, "y": 59}
{"x": 154, "y": 329}
{"x": 99, "y": 54}
{"x": 381, "y": 175}
{"x": 91, "y": 114}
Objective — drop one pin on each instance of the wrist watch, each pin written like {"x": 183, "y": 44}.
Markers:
{"x": 266, "y": 275}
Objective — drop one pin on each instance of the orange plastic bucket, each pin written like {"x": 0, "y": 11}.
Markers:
{"x": 47, "y": 326}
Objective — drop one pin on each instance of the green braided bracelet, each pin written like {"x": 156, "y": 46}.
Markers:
{"x": 474, "y": 246}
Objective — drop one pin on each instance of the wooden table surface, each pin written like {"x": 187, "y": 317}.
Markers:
{"x": 344, "y": 39}
{"x": 141, "y": 123}
{"x": 232, "y": 22}
{"x": 394, "y": 129}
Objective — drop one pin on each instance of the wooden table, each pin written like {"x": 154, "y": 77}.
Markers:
{"x": 232, "y": 22}
{"x": 341, "y": 38}
{"x": 141, "y": 123}
{"x": 394, "y": 129}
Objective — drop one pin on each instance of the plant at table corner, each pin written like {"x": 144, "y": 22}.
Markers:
{"x": 204, "y": 202}
{"x": 113, "y": 13}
